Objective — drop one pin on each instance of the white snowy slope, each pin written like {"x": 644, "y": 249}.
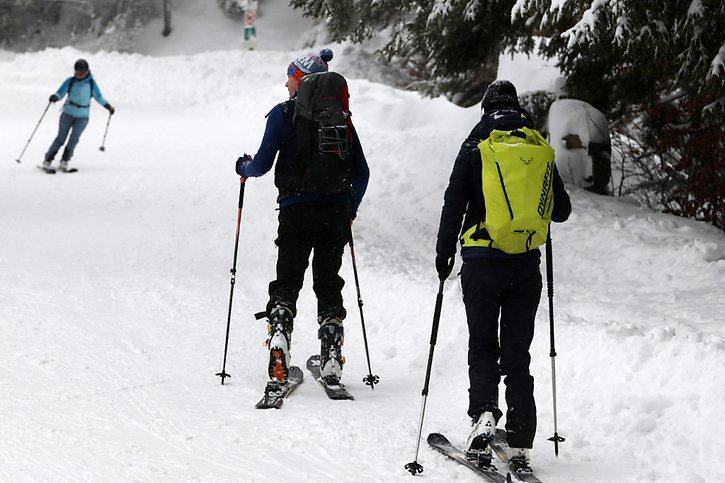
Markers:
{"x": 114, "y": 285}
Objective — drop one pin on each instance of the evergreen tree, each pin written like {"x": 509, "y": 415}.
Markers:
{"x": 105, "y": 24}
{"x": 657, "y": 69}
{"x": 449, "y": 47}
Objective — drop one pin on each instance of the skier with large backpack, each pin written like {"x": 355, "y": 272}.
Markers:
{"x": 502, "y": 194}
{"x": 79, "y": 89}
{"x": 321, "y": 174}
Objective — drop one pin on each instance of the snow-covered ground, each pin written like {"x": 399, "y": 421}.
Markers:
{"x": 114, "y": 286}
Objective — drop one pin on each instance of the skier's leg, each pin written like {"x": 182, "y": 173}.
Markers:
{"x": 332, "y": 233}
{"x": 481, "y": 298}
{"x": 64, "y": 125}
{"x": 518, "y": 313}
{"x": 294, "y": 243}
{"x": 294, "y": 251}
{"x": 78, "y": 125}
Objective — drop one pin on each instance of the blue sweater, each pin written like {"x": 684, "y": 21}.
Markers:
{"x": 272, "y": 142}
{"x": 78, "y": 103}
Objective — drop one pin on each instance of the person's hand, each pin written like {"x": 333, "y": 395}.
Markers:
{"x": 241, "y": 160}
{"x": 53, "y": 98}
{"x": 110, "y": 108}
{"x": 444, "y": 266}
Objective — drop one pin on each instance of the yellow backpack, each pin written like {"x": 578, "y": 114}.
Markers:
{"x": 517, "y": 174}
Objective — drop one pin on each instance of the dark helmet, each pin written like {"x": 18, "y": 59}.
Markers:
{"x": 499, "y": 93}
{"x": 80, "y": 65}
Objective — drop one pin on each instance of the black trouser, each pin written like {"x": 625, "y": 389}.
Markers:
{"x": 304, "y": 227}
{"x": 511, "y": 289}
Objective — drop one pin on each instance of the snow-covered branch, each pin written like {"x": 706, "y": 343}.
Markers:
{"x": 717, "y": 66}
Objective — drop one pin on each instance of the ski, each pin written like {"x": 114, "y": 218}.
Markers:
{"x": 276, "y": 392}
{"x": 47, "y": 170}
{"x": 69, "y": 170}
{"x": 333, "y": 391}
{"x": 500, "y": 448}
{"x": 441, "y": 444}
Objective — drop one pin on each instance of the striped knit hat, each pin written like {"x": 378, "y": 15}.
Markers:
{"x": 309, "y": 64}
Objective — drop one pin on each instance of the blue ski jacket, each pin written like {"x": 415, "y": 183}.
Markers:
{"x": 78, "y": 103}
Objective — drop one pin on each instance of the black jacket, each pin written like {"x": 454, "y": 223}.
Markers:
{"x": 464, "y": 195}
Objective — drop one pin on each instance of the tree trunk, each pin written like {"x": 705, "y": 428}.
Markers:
{"x": 167, "y": 18}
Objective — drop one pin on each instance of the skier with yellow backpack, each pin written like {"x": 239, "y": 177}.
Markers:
{"x": 503, "y": 192}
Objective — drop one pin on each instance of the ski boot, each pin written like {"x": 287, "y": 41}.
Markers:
{"x": 63, "y": 166}
{"x": 331, "y": 335}
{"x": 519, "y": 461}
{"x": 280, "y": 322}
{"x": 478, "y": 446}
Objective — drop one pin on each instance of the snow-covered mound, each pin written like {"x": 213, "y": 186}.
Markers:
{"x": 115, "y": 283}
{"x": 573, "y": 126}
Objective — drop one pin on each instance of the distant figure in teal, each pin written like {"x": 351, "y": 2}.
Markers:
{"x": 80, "y": 89}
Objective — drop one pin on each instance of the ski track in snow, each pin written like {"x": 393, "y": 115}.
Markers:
{"x": 115, "y": 284}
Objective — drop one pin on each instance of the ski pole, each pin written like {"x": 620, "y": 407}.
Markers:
{"x": 414, "y": 467}
{"x": 552, "y": 352}
{"x": 224, "y": 373}
{"x": 370, "y": 379}
{"x": 103, "y": 144}
{"x": 33, "y": 133}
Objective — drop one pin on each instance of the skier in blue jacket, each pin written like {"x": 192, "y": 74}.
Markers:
{"x": 307, "y": 222}
{"x": 80, "y": 89}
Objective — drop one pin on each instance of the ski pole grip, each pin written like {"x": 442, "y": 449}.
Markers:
{"x": 437, "y": 314}
{"x": 436, "y": 319}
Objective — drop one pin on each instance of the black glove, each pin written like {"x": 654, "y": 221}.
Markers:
{"x": 444, "y": 266}
{"x": 240, "y": 161}
{"x": 110, "y": 108}
{"x": 53, "y": 98}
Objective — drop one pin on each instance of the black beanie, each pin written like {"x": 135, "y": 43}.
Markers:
{"x": 499, "y": 93}
{"x": 80, "y": 65}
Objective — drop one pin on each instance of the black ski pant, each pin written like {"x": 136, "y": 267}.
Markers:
{"x": 322, "y": 228}
{"x": 501, "y": 298}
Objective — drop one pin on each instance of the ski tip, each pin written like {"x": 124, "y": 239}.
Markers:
{"x": 313, "y": 362}
{"x": 437, "y": 438}
{"x": 295, "y": 373}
